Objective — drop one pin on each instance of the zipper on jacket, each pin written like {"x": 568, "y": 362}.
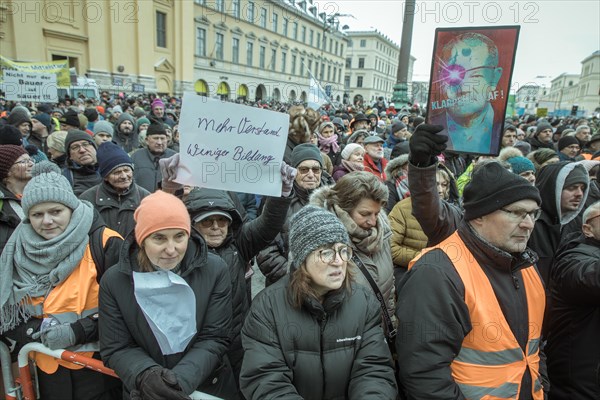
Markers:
{"x": 515, "y": 280}
{"x": 322, "y": 328}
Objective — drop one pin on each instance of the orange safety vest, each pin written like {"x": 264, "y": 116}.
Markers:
{"x": 75, "y": 298}
{"x": 491, "y": 364}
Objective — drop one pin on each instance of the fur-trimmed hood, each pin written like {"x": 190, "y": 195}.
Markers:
{"x": 391, "y": 170}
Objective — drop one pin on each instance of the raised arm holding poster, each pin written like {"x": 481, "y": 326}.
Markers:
{"x": 230, "y": 146}
{"x": 469, "y": 86}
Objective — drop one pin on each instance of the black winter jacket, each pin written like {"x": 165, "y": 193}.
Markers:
{"x": 127, "y": 344}
{"x": 573, "y": 348}
{"x": 243, "y": 242}
{"x": 334, "y": 350}
{"x": 432, "y": 327}
{"x": 80, "y": 177}
{"x": 553, "y": 225}
{"x": 116, "y": 209}
{"x": 9, "y": 219}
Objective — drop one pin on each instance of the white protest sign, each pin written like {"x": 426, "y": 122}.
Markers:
{"x": 29, "y": 86}
{"x": 230, "y": 146}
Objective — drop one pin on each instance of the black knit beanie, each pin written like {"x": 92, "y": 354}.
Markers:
{"x": 492, "y": 187}
{"x": 566, "y": 142}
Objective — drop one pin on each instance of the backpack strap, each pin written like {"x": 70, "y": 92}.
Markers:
{"x": 97, "y": 243}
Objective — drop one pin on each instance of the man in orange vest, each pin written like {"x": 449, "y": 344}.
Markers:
{"x": 471, "y": 308}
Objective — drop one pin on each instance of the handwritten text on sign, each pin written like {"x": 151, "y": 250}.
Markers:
{"x": 29, "y": 86}
{"x": 230, "y": 146}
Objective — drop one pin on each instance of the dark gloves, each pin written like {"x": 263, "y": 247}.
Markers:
{"x": 157, "y": 383}
{"x": 425, "y": 144}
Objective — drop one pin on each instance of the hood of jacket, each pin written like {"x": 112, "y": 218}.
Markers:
{"x": 125, "y": 117}
{"x": 201, "y": 200}
{"x": 550, "y": 182}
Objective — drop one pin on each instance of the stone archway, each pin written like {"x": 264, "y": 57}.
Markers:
{"x": 292, "y": 96}
{"x": 163, "y": 85}
{"x": 261, "y": 92}
{"x": 276, "y": 94}
{"x": 303, "y": 97}
{"x": 223, "y": 90}
{"x": 242, "y": 92}
{"x": 201, "y": 88}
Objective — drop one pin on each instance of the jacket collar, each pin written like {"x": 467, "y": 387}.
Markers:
{"x": 489, "y": 255}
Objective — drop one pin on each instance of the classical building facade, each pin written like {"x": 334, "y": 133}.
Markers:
{"x": 576, "y": 91}
{"x": 252, "y": 49}
{"x": 371, "y": 67}
{"x": 264, "y": 50}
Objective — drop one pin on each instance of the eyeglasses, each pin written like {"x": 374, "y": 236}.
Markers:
{"x": 519, "y": 215}
{"x": 25, "y": 161}
{"x": 304, "y": 170}
{"x": 209, "y": 222}
{"x": 328, "y": 255}
{"x": 77, "y": 147}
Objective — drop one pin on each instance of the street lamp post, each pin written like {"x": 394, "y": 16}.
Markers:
{"x": 400, "y": 95}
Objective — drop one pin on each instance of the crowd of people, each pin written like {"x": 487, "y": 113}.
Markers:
{"x": 394, "y": 269}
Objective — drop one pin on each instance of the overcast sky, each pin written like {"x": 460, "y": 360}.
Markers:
{"x": 555, "y": 35}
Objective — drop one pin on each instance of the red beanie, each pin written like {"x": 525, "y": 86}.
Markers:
{"x": 159, "y": 211}
{"x": 9, "y": 153}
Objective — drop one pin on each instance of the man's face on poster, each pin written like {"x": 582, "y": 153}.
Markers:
{"x": 471, "y": 75}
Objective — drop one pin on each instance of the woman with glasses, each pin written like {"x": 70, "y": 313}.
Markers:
{"x": 358, "y": 199}
{"x": 315, "y": 334}
{"x": 15, "y": 172}
{"x": 165, "y": 308}
{"x": 217, "y": 219}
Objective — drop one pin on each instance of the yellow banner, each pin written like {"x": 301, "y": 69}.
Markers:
{"x": 60, "y": 68}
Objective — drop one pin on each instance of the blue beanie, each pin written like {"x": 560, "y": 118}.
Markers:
{"x": 520, "y": 165}
{"x": 111, "y": 156}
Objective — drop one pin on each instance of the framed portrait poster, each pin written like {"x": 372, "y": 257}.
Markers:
{"x": 470, "y": 80}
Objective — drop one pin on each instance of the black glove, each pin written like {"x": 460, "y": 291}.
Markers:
{"x": 157, "y": 383}
{"x": 425, "y": 144}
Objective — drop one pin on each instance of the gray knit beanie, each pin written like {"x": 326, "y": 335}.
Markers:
{"x": 311, "y": 228}
{"x": 103, "y": 126}
{"x": 48, "y": 186}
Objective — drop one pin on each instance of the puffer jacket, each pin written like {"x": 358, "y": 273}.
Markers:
{"x": 379, "y": 264}
{"x": 244, "y": 240}
{"x": 408, "y": 237}
{"x": 333, "y": 350}
{"x": 272, "y": 260}
{"x": 127, "y": 344}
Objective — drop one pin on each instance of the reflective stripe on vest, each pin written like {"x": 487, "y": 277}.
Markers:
{"x": 75, "y": 298}
{"x": 491, "y": 364}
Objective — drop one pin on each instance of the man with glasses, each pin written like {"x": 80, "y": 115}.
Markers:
{"x": 306, "y": 158}
{"x": 470, "y": 309}
{"x": 82, "y": 163}
{"x": 117, "y": 196}
{"x": 573, "y": 348}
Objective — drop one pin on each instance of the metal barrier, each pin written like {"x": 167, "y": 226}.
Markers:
{"x": 11, "y": 391}
{"x": 26, "y": 381}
